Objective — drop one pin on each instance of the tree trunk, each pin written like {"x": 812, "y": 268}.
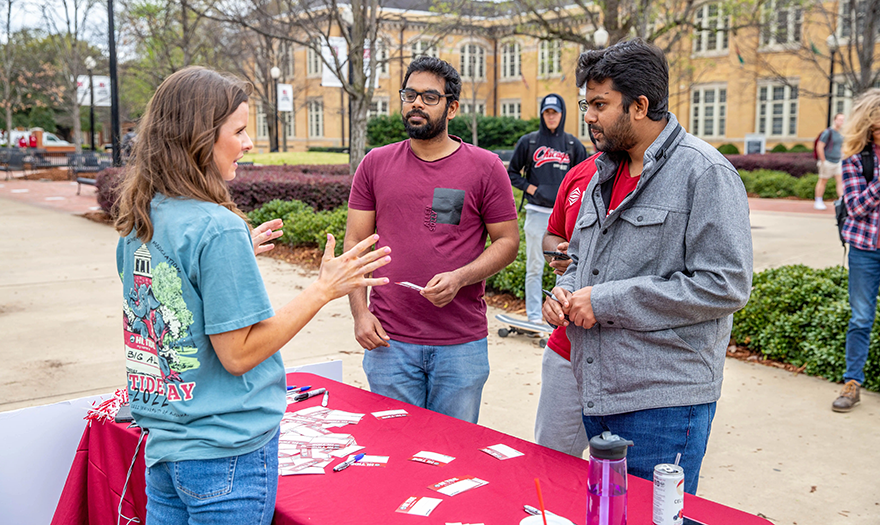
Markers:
{"x": 357, "y": 142}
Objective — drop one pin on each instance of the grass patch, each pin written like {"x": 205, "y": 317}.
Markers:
{"x": 296, "y": 157}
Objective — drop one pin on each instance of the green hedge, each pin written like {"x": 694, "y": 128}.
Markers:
{"x": 303, "y": 226}
{"x": 778, "y": 184}
{"x": 493, "y": 132}
{"x": 800, "y": 315}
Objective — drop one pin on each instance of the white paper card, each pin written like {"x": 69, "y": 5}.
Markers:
{"x": 418, "y": 505}
{"x": 390, "y": 414}
{"x": 457, "y": 485}
{"x": 431, "y": 458}
{"x": 501, "y": 451}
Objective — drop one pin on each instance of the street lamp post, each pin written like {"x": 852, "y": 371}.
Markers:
{"x": 831, "y": 41}
{"x": 114, "y": 87}
{"x": 275, "y": 72}
{"x": 90, "y": 65}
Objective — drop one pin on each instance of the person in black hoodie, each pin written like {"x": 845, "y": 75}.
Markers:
{"x": 540, "y": 161}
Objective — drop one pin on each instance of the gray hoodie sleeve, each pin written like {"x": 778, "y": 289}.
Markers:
{"x": 717, "y": 275}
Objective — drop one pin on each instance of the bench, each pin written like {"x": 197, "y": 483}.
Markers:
{"x": 87, "y": 163}
{"x": 38, "y": 160}
{"x": 11, "y": 160}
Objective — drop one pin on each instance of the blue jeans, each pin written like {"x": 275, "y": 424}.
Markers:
{"x": 864, "y": 280}
{"x": 658, "y": 435}
{"x": 446, "y": 379}
{"x": 225, "y": 491}
{"x": 534, "y": 228}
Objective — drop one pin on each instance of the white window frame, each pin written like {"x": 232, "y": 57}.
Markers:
{"x": 288, "y": 119}
{"x": 262, "y": 123}
{"x": 844, "y": 31}
{"x": 381, "y": 104}
{"x": 709, "y": 107}
{"x": 583, "y": 128}
{"x": 772, "y": 108}
{"x": 473, "y": 61}
{"x": 772, "y": 33}
{"x": 288, "y": 65}
{"x": 511, "y": 108}
{"x": 423, "y": 48}
{"x": 381, "y": 55}
{"x": 314, "y": 63}
{"x": 715, "y": 38}
{"x": 316, "y": 118}
{"x": 466, "y": 107}
{"x": 549, "y": 58}
{"x": 511, "y": 60}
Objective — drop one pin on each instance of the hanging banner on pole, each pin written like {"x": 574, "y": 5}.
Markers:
{"x": 337, "y": 47}
{"x": 285, "y": 97}
{"x": 102, "y": 90}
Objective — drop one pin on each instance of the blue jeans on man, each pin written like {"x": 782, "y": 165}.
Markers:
{"x": 447, "y": 379}
{"x": 534, "y": 228}
{"x": 658, "y": 435}
{"x": 864, "y": 281}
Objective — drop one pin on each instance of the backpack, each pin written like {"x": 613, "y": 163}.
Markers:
{"x": 840, "y": 212}
{"x": 827, "y": 144}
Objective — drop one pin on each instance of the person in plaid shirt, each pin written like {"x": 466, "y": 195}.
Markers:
{"x": 862, "y": 201}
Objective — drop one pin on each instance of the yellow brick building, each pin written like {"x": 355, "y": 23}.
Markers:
{"x": 724, "y": 85}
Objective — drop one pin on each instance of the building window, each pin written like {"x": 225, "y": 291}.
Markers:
{"x": 510, "y": 60}
{"x": 777, "y": 110}
{"x": 782, "y": 22}
{"x": 512, "y": 108}
{"x": 583, "y": 128}
{"x": 473, "y": 62}
{"x": 549, "y": 58}
{"x": 377, "y": 107}
{"x": 468, "y": 108}
{"x": 709, "y": 111}
{"x": 381, "y": 56}
{"x": 313, "y": 59}
{"x": 711, "y": 29}
{"x": 262, "y": 123}
{"x": 857, "y": 15}
{"x": 316, "y": 118}
{"x": 288, "y": 121}
{"x": 287, "y": 63}
{"x": 423, "y": 48}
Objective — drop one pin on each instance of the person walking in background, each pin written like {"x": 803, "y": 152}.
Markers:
{"x": 861, "y": 196}
{"x": 828, "y": 158}
{"x": 540, "y": 161}
{"x": 661, "y": 259}
{"x": 204, "y": 372}
{"x": 559, "y": 421}
{"x": 434, "y": 199}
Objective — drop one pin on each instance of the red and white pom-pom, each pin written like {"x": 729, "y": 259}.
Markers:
{"x": 108, "y": 409}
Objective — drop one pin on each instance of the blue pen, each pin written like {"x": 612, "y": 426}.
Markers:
{"x": 348, "y": 462}
{"x": 296, "y": 390}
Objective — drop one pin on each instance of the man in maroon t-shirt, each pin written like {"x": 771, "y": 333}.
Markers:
{"x": 433, "y": 200}
{"x": 559, "y": 423}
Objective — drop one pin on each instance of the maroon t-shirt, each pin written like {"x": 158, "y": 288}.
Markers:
{"x": 433, "y": 215}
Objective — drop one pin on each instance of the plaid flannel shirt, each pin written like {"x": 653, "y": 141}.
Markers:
{"x": 862, "y": 203}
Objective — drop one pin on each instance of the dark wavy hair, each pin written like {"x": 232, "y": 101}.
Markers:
{"x": 442, "y": 69}
{"x": 635, "y": 68}
{"x": 174, "y": 151}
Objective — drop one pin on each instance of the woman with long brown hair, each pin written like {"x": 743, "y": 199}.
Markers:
{"x": 205, "y": 377}
{"x": 861, "y": 196}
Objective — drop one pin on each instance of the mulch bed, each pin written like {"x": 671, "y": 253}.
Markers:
{"x": 54, "y": 174}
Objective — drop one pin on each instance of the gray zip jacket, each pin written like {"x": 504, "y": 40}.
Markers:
{"x": 668, "y": 268}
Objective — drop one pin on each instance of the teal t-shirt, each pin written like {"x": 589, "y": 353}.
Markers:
{"x": 196, "y": 277}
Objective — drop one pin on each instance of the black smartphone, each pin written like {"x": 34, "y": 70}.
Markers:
{"x": 690, "y": 521}
{"x": 557, "y": 255}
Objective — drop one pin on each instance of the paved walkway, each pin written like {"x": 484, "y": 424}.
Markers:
{"x": 776, "y": 448}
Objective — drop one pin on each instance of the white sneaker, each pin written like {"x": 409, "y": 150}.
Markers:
{"x": 819, "y": 205}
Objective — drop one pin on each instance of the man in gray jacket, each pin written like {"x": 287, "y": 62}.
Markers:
{"x": 661, "y": 259}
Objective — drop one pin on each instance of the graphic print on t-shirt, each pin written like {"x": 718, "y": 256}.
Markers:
{"x": 448, "y": 205}
{"x": 158, "y": 344}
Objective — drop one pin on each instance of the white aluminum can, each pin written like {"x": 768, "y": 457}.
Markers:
{"x": 668, "y": 494}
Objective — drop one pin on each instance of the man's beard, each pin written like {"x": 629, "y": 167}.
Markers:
{"x": 429, "y": 129}
{"x": 620, "y": 137}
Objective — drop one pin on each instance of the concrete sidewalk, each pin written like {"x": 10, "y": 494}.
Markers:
{"x": 776, "y": 447}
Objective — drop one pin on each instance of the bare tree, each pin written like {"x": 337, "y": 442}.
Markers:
{"x": 66, "y": 22}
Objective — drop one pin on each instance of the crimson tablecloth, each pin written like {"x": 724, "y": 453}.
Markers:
{"x": 370, "y": 495}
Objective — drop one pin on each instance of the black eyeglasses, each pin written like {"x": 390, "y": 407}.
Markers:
{"x": 428, "y": 97}
{"x": 583, "y": 105}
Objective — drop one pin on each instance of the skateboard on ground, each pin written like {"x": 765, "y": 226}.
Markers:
{"x": 519, "y": 326}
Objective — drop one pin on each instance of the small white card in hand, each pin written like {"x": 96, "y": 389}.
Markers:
{"x": 501, "y": 451}
{"x": 457, "y": 485}
{"x": 372, "y": 461}
{"x": 418, "y": 505}
{"x": 431, "y": 458}
{"x": 390, "y": 414}
{"x": 410, "y": 285}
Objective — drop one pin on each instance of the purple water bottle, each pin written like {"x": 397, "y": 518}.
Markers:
{"x": 606, "y": 485}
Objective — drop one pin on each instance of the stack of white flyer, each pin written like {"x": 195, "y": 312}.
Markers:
{"x": 306, "y": 443}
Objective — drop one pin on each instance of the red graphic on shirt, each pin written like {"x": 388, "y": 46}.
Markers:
{"x": 546, "y": 154}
